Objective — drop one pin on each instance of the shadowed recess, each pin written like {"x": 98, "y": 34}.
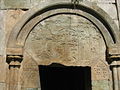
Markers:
{"x": 60, "y": 77}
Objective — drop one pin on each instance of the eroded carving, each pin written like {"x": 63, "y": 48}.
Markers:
{"x": 101, "y": 71}
{"x": 66, "y": 38}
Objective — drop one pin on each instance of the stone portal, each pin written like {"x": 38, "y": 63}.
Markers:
{"x": 77, "y": 37}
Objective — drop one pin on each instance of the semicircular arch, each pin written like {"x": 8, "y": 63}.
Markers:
{"x": 96, "y": 15}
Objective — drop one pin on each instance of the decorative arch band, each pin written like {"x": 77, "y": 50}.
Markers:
{"x": 97, "y": 16}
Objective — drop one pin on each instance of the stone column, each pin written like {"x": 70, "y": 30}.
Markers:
{"x": 14, "y": 62}
{"x": 115, "y": 75}
{"x": 114, "y": 61}
{"x": 118, "y": 73}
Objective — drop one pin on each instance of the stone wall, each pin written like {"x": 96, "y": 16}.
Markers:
{"x": 11, "y": 12}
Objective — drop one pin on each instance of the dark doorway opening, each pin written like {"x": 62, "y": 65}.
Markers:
{"x": 59, "y": 77}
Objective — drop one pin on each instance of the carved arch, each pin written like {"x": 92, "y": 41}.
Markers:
{"x": 96, "y": 15}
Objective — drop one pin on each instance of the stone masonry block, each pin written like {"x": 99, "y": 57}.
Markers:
{"x": 16, "y": 3}
{"x": 109, "y": 9}
{"x": 2, "y": 86}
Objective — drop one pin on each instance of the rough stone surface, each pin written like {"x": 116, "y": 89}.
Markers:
{"x": 30, "y": 73}
{"x": 3, "y": 69}
{"x": 117, "y": 23}
{"x": 15, "y": 4}
{"x": 67, "y": 35}
{"x": 2, "y": 86}
{"x": 110, "y": 9}
{"x": 30, "y": 3}
{"x": 12, "y": 17}
{"x": 2, "y": 48}
{"x": 2, "y": 33}
{"x": 101, "y": 84}
{"x": 102, "y": 1}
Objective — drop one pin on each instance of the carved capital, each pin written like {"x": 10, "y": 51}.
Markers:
{"x": 114, "y": 50}
{"x": 14, "y": 60}
{"x": 114, "y": 55}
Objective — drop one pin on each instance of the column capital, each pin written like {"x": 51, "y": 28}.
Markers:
{"x": 114, "y": 50}
{"x": 113, "y": 55}
{"x": 14, "y": 60}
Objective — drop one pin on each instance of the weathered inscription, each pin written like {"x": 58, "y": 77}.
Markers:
{"x": 67, "y": 38}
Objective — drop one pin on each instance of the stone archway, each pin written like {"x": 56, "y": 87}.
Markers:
{"x": 17, "y": 41}
{"x": 95, "y": 14}
{"x": 75, "y": 44}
